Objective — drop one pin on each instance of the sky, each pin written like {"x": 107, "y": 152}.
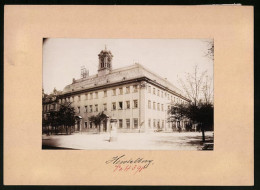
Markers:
{"x": 169, "y": 58}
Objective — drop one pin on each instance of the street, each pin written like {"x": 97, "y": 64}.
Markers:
{"x": 127, "y": 141}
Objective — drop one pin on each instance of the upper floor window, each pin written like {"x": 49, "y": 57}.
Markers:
{"x": 105, "y": 107}
{"x": 135, "y": 103}
{"x": 135, "y": 88}
{"x": 162, "y": 94}
{"x": 153, "y": 90}
{"x": 91, "y": 96}
{"x": 78, "y": 98}
{"x": 105, "y": 93}
{"x": 158, "y": 106}
{"x": 79, "y": 109}
{"x": 86, "y": 96}
{"x": 96, "y": 108}
{"x": 96, "y": 95}
{"x": 113, "y": 106}
{"x": 162, "y": 107}
{"x": 154, "y": 104}
{"x": 149, "y": 123}
{"x": 120, "y": 91}
{"x": 114, "y": 92}
{"x": 120, "y": 105}
{"x": 127, "y": 104}
{"x": 86, "y": 109}
{"x": 158, "y": 92}
{"x": 149, "y": 89}
{"x": 90, "y": 108}
{"x": 149, "y": 104}
{"x": 127, "y": 90}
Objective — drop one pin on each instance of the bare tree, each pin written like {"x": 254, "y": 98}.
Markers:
{"x": 210, "y": 50}
{"x": 207, "y": 90}
{"x": 193, "y": 84}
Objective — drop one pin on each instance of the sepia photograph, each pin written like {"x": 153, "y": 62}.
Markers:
{"x": 128, "y": 94}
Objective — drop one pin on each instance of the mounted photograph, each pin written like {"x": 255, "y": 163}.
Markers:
{"x": 128, "y": 94}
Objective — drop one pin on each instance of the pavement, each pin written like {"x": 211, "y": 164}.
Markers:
{"x": 127, "y": 141}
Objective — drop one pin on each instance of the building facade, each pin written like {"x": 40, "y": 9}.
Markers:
{"x": 138, "y": 98}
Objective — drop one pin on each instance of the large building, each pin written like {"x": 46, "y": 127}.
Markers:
{"x": 137, "y": 97}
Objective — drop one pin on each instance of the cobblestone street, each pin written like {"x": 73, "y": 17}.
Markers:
{"x": 128, "y": 141}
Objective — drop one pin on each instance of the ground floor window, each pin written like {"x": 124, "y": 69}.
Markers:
{"x": 90, "y": 125}
{"x": 86, "y": 124}
{"x": 127, "y": 123}
{"x": 158, "y": 124}
{"x": 149, "y": 123}
{"x": 135, "y": 123}
{"x": 154, "y": 123}
{"x": 120, "y": 123}
{"x": 162, "y": 123}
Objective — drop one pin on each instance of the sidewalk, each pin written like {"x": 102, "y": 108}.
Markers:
{"x": 128, "y": 141}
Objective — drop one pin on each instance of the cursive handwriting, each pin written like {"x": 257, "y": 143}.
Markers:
{"x": 124, "y": 164}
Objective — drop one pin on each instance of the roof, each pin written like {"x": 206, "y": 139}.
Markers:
{"x": 125, "y": 73}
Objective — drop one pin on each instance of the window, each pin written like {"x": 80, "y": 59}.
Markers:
{"x": 91, "y": 96}
{"x": 158, "y": 124}
{"x": 154, "y": 123}
{"x": 96, "y": 95}
{"x": 162, "y": 94}
{"x": 149, "y": 89}
{"x": 168, "y": 96}
{"x": 154, "y": 105}
{"x": 135, "y": 103}
{"x": 90, "y": 125}
{"x": 86, "y": 96}
{"x": 162, "y": 108}
{"x": 149, "y": 123}
{"x": 120, "y": 123}
{"x": 79, "y": 109}
{"x": 105, "y": 107}
{"x": 120, "y": 91}
{"x": 120, "y": 104}
{"x": 113, "y": 106}
{"x": 158, "y": 92}
{"x": 127, "y": 123}
{"x": 169, "y": 107}
{"x": 78, "y": 98}
{"x": 135, "y": 123}
{"x": 135, "y": 88}
{"x": 90, "y": 108}
{"x": 105, "y": 93}
{"x": 153, "y": 90}
{"x": 162, "y": 123}
{"x": 86, "y": 124}
{"x": 149, "y": 104}
{"x": 86, "y": 109}
{"x": 158, "y": 106}
{"x": 114, "y": 92}
{"x": 171, "y": 97}
{"x": 127, "y": 104}
{"x": 127, "y": 90}
{"x": 96, "y": 108}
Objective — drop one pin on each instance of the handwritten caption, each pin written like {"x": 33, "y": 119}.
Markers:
{"x": 123, "y": 164}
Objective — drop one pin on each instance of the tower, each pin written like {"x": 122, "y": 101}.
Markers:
{"x": 105, "y": 62}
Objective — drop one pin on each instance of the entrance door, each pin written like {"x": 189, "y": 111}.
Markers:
{"x": 105, "y": 125}
{"x": 78, "y": 125}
